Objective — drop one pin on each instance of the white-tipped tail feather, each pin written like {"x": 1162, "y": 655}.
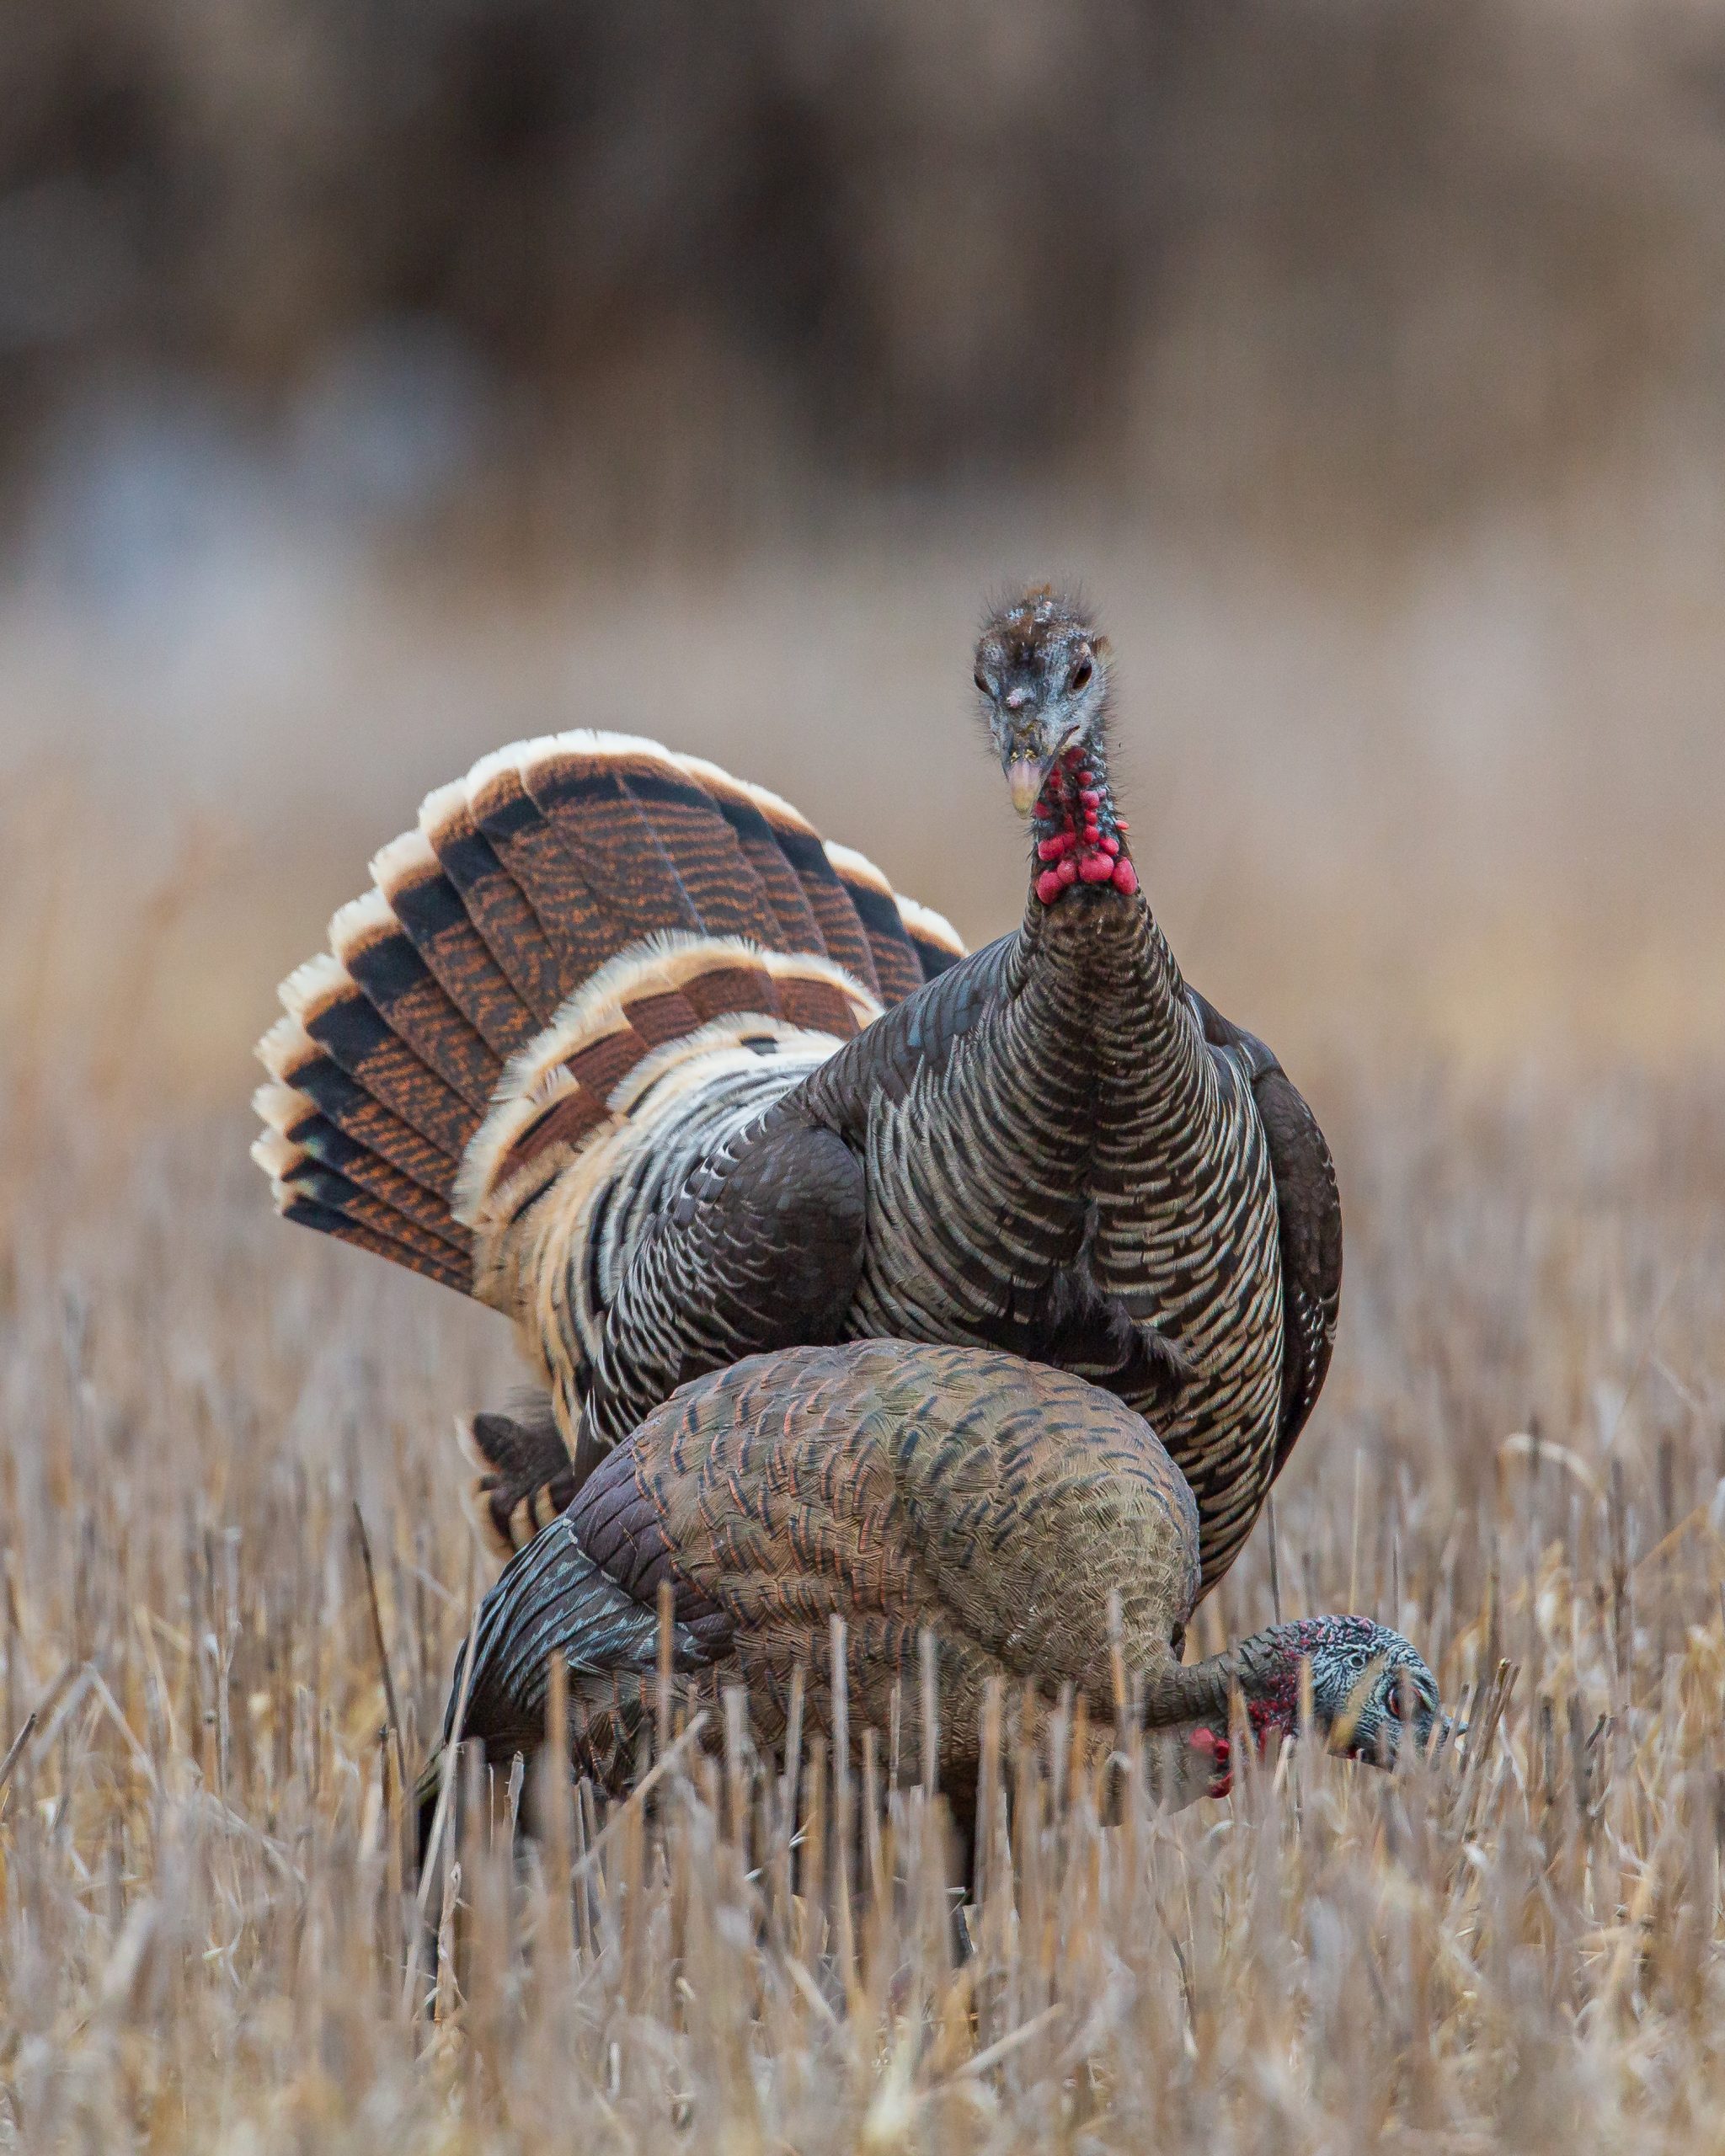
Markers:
{"x": 507, "y": 1004}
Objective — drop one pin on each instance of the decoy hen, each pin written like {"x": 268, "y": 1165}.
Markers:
{"x": 998, "y": 1504}
{"x": 618, "y": 1045}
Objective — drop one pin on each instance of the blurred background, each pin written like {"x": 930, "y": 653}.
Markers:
{"x": 380, "y": 382}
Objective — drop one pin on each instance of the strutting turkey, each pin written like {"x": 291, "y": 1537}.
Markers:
{"x": 997, "y": 1503}
{"x": 618, "y": 1044}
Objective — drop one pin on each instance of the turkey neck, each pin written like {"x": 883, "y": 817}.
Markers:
{"x": 1092, "y": 969}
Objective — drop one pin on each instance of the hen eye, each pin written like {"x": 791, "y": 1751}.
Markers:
{"x": 1081, "y": 675}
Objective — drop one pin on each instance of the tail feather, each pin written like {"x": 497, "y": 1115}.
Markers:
{"x": 431, "y": 912}
{"x": 575, "y": 781}
{"x": 843, "y": 935}
{"x": 401, "y": 988}
{"x": 938, "y": 943}
{"x": 739, "y": 804}
{"x": 897, "y": 967}
{"x": 501, "y": 916}
{"x": 648, "y": 834}
{"x": 308, "y": 1213}
{"x": 293, "y": 1059}
{"x": 297, "y": 1129}
{"x": 573, "y": 928}
{"x": 583, "y": 932}
{"x": 328, "y": 1004}
{"x": 295, "y": 1175}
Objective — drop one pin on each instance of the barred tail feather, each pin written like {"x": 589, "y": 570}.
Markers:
{"x": 433, "y": 914}
{"x": 740, "y": 804}
{"x": 937, "y": 942}
{"x": 897, "y": 967}
{"x": 294, "y": 1128}
{"x": 381, "y": 960}
{"x": 842, "y": 935}
{"x": 295, "y": 1060}
{"x": 578, "y": 922}
{"x": 493, "y": 900}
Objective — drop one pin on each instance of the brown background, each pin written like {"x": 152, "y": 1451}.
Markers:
{"x": 380, "y": 383}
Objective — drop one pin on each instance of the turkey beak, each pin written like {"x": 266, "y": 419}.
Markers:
{"x": 1025, "y": 776}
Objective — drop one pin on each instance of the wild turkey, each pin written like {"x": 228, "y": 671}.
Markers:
{"x": 899, "y": 1487}
{"x": 753, "y": 1098}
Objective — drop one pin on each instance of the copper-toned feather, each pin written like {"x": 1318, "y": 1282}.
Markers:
{"x": 796, "y": 928}
{"x": 589, "y": 952}
{"x": 842, "y": 934}
{"x": 323, "y": 998}
{"x": 293, "y": 1121}
{"x": 290, "y": 1056}
{"x": 306, "y": 1178}
{"x": 577, "y": 780}
{"x": 432, "y": 914}
{"x": 711, "y": 873}
{"x": 307, "y": 1213}
{"x": 382, "y": 962}
{"x": 573, "y": 927}
{"x": 500, "y": 914}
{"x": 897, "y": 967}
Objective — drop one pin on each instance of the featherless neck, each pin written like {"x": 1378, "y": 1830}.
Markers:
{"x": 1194, "y": 1706}
{"x": 1264, "y": 1669}
{"x": 1079, "y": 840}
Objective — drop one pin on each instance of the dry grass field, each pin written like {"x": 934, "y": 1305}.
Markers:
{"x": 1497, "y": 970}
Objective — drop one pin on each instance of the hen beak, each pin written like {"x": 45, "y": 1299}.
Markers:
{"x": 1024, "y": 776}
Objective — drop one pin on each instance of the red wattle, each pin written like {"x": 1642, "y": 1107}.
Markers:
{"x": 1048, "y": 885}
{"x": 1052, "y": 849}
{"x": 1089, "y": 797}
{"x": 1096, "y": 868}
{"x": 1125, "y": 876}
{"x": 1216, "y": 1752}
{"x": 1068, "y": 870}
{"x": 1111, "y": 845}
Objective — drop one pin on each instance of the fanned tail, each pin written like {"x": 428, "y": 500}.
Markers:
{"x": 585, "y": 931}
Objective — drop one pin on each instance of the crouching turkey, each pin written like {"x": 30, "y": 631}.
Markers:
{"x": 618, "y": 1045}
{"x": 998, "y": 1504}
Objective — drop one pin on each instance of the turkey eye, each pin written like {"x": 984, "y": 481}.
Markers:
{"x": 1081, "y": 675}
{"x": 981, "y": 681}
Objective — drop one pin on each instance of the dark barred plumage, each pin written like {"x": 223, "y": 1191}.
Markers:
{"x": 1058, "y": 1148}
{"x": 1079, "y": 1118}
